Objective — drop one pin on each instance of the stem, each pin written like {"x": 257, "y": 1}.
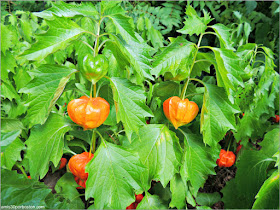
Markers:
{"x": 22, "y": 170}
{"x": 201, "y": 60}
{"x": 187, "y": 82}
{"x": 209, "y": 32}
{"x": 93, "y": 141}
{"x": 87, "y": 45}
{"x": 91, "y": 91}
{"x": 94, "y": 90}
{"x": 102, "y": 43}
{"x": 193, "y": 94}
{"x": 229, "y": 137}
{"x": 184, "y": 89}
{"x": 198, "y": 80}
{"x": 100, "y": 135}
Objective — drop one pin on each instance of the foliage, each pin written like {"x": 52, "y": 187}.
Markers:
{"x": 155, "y": 51}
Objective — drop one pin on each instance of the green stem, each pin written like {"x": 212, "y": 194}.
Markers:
{"x": 22, "y": 170}
{"x": 94, "y": 90}
{"x": 198, "y": 80}
{"x": 87, "y": 45}
{"x": 90, "y": 94}
{"x": 229, "y": 137}
{"x": 201, "y": 60}
{"x": 93, "y": 142}
{"x": 188, "y": 79}
{"x": 100, "y": 135}
{"x": 193, "y": 94}
{"x": 102, "y": 43}
{"x": 182, "y": 96}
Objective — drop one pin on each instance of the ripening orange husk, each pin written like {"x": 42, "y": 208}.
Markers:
{"x": 180, "y": 112}
{"x": 88, "y": 112}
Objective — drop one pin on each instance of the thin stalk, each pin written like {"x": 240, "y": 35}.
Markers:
{"x": 198, "y": 80}
{"x": 93, "y": 142}
{"x": 193, "y": 94}
{"x": 90, "y": 95}
{"x": 22, "y": 170}
{"x": 94, "y": 90}
{"x": 201, "y": 60}
{"x": 87, "y": 45}
{"x": 100, "y": 135}
{"x": 188, "y": 79}
{"x": 229, "y": 140}
{"x": 102, "y": 43}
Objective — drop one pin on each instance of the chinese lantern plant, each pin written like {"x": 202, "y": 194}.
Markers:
{"x": 88, "y": 85}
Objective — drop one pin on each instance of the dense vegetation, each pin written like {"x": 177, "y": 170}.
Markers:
{"x": 178, "y": 104}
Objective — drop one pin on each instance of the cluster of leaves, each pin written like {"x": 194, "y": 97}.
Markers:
{"x": 42, "y": 54}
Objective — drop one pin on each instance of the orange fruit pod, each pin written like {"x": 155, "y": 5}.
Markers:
{"x": 180, "y": 112}
{"x": 227, "y": 158}
{"x": 63, "y": 162}
{"x": 77, "y": 165}
{"x": 88, "y": 112}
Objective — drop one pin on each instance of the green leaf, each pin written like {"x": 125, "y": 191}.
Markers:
{"x": 7, "y": 39}
{"x": 12, "y": 153}
{"x": 8, "y": 91}
{"x": 7, "y": 138}
{"x": 8, "y": 124}
{"x": 197, "y": 159}
{"x": 26, "y": 29}
{"x": 130, "y": 104}
{"x": 194, "y": 24}
{"x": 170, "y": 58}
{"x": 268, "y": 196}
{"x": 151, "y": 202}
{"x": 66, "y": 186}
{"x": 217, "y": 115}
{"x": 251, "y": 173}
{"x": 224, "y": 36}
{"x": 46, "y": 87}
{"x": 45, "y": 144}
{"x": 61, "y": 33}
{"x": 228, "y": 70}
{"x": 17, "y": 190}
{"x": 8, "y": 63}
{"x": 166, "y": 89}
{"x": 178, "y": 189}
{"x": 204, "y": 61}
{"x": 21, "y": 78}
{"x": 114, "y": 174}
{"x": 62, "y": 9}
{"x": 137, "y": 54}
{"x": 159, "y": 151}
{"x": 124, "y": 26}
{"x": 208, "y": 199}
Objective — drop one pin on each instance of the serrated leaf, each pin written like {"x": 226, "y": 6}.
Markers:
{"x": 224, "y": 36}
{"x": 178, "y": 189}
{"x": 159, "y": 151}
{"x": 198, "y": 161}
{"x": 268, "y": 196}
{"x": 166, "y": 89}
{"x": 60, "y": 34}
{"x": 8, "y": 63}
{"x": 26, "y": 29}
{"x": 8, "y": 91}
{"x": 130, "y": 104}
{"x": 7, "y": 138}
{"x": 7, "y": 39}
{"x": 66, "y": 187}
{"x": 151, "y": 202}
{"x": 228, "y": 70}
{"x": 171, "y": 57}
{"x": 204, "y": 61}
{"x": 193, "y": 23}
{"x": 251, "y": 173}
{"x": 124, "y": 26}
{"x": 45, "y": 144}
{"x": 68, "y": 10}
{"x": 137, "y": 54}
{"x": 17, "y": 190}
{"x": 208, "y": 199}
{"x": 8, "y": 124}
{"x": 114, "y": 174}
{"x": 46, "y": 87}
{"x": 12, "y": 153}
{"x": 217, "y": 115}
{"x": 21, "y": 78}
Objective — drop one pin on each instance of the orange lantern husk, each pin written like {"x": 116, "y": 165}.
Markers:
{"x": 180, "y": 112}
{"x": 88, "y": 112}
